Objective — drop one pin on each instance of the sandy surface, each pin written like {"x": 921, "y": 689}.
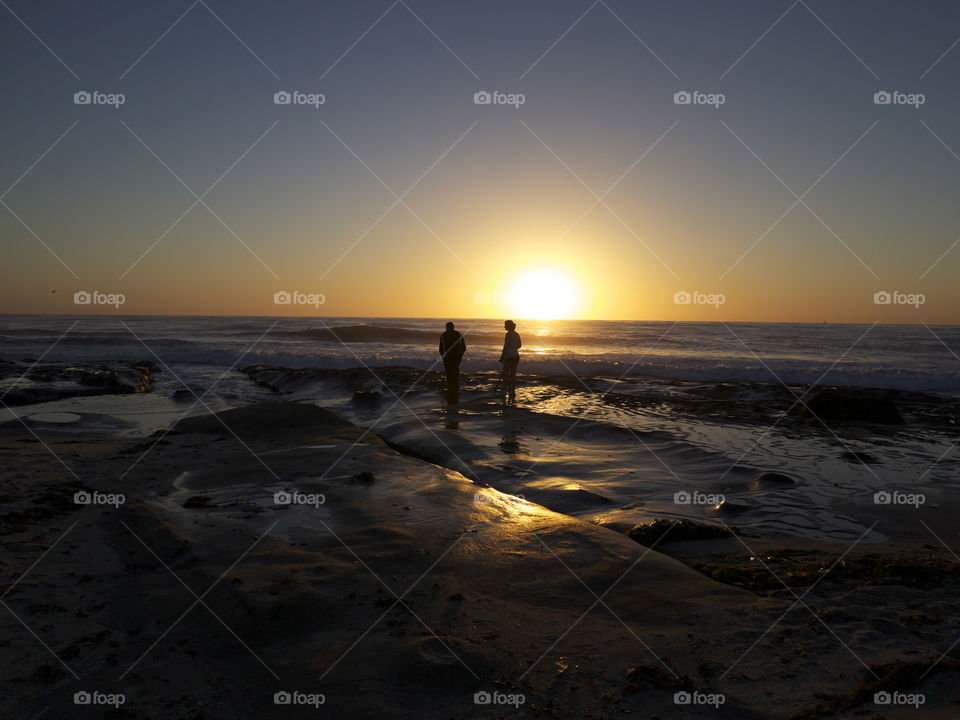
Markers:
{"x": 410, "y": 588}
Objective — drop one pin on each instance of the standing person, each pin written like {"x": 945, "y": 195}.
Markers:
{"x": 452, "y": 348}
{"x": 510, "y": 357}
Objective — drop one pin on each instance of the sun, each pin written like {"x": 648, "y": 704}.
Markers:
{"x": 544, "y": 295}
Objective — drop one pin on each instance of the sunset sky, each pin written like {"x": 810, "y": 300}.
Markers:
{"x": 309, "y": 199}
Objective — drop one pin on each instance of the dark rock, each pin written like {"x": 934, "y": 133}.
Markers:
{"x": 198, "y": 501}
{"x": 834, "y": 404}
{"x": 648, "y": 533}
{"x": 772, "y": 479}
{"x": 44, "y": 382}
{"x": 509, "y": 445}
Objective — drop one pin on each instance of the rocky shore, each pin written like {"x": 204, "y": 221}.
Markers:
{"x": 278, "y": 552}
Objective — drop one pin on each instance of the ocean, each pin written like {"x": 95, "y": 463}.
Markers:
{"x": 898, "y": 357}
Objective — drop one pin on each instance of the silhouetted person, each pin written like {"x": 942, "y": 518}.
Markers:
{"x": 510, "y": 357}
{"x": 452, "y": 348}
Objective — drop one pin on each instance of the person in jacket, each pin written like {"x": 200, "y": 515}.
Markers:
{"x": 510, "y": 358}
{"x": 452, "y": 348}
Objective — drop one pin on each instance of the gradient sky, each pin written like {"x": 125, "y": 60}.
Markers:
{"x": 510, "y": 190}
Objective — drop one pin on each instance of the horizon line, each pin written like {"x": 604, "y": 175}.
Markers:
{"x": 452, "y": 318}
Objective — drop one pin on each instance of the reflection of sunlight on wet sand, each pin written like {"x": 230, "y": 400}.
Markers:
{"x": 589, "y": 447}
{"x": 507, "y": 506}
{"x": 550, "y": 403}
